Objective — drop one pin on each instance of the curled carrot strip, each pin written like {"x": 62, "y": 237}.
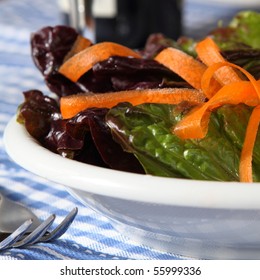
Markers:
{"x": 209, "y": 73}
{"x": 83, "y": 61}
{"x": 209, "y": 53}
{"x": 80, "y": 63}
{"x": 187, "y": 67}
{"x": 195, "y": 124}
{"x": 80, "y": 44}
{"x": 245, "y": 166}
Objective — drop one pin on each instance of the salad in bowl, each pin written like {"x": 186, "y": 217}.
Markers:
{"x": 182, "y": 109}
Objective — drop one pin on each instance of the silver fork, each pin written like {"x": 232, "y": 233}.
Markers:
{"x": 20, "y": 227}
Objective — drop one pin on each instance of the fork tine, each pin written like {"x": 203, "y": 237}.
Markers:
{"x": 16, "y": 235}
{"x": 16, "y": 239}
{"x": 34, "y": 236}
{"x": 61, "y": 228}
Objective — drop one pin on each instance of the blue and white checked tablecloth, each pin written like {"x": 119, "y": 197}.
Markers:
{"x": 91, "y": 236}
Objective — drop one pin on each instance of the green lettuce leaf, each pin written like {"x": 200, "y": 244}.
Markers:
{"x": 242, "y": 32}
{"x": 235, "y": 119}
{"x": 145, "y": 130}
{"x": 246, "y": 25}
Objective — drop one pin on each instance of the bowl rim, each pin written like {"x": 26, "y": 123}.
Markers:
{"x": 125, "y": 185}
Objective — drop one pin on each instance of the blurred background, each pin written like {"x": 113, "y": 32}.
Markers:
{"x": 125, "y": 21}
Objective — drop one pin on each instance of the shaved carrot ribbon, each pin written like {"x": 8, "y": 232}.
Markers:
{"x": 72, "y": 104}
{"x": 245, "y": 167}
{"x": 79, "y": 45}
{"x": 195, "y": 124}
{"x": 81, "y": 62}
{"x": 187, "y": 67}
{"x": 209, "y": 53}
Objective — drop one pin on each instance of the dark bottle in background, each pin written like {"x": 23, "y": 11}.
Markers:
{"x": 128, "y": 22}
{"x": 135, "y": 20}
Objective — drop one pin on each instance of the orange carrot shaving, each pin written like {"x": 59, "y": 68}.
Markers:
{"x": 209, "y": 53}
{"x": 83, "y": 61}
{"x": 187, "y": 67}
{"x": 73, "y": 104}
{"x": 209, "y": 73}
{"x": 245, "y": 167}
{"x": 80, "y": 44}
{"x": 195, "y": 124}
{"x": 190, "y": 69}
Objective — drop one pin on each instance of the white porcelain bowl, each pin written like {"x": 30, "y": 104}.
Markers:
{"x": 200, "y": 219}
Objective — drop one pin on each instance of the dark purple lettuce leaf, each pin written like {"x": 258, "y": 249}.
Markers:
{"x": 37, "y": 112}
{"x": 88, "y": 138}
{"x": 72, "y": 139}
{"x": 59, "y": 140}
{"x": 155, "y": 43}
{"x": 125, "y": 73}
{"x": 49, "y": 46}
{"x": 248, "y": 58}
{"x": 62, "y": 86}
{"x": 111, "y": 152}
